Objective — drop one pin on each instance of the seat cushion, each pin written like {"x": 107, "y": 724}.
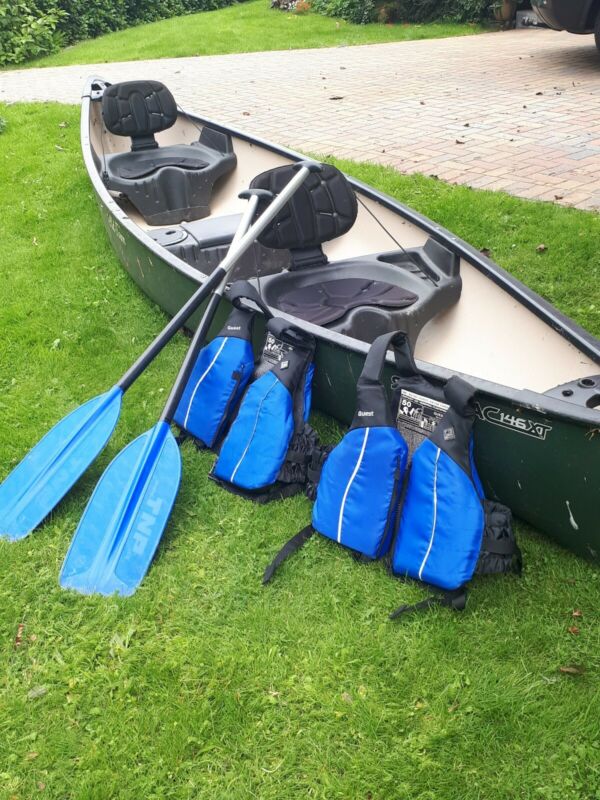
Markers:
{"x": 322, "y": 303}
{"x": 134, "y": 165}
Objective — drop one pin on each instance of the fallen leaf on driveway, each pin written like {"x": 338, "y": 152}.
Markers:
{"x": 337, "y": 97}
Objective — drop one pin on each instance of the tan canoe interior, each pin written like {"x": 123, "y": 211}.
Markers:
{"x": 487, "y": 334}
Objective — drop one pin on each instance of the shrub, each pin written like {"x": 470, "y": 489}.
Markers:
{"x": 357, "y": 11}
{"x": 405, "y": 10}
{"x": 30, "y": 28}
{"x": 302, "y": 7}
{"x": 26, "y": 31}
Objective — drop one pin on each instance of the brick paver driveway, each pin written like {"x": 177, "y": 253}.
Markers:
{"x": 518, "y": 111}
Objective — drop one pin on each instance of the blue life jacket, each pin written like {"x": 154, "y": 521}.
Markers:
{"x": 265, "y": 454}
{"x": 447, "y": 529}
{"x": 221, "y": 372}
{"x": 358, "y": 492}
{"x": 446, "y": 523}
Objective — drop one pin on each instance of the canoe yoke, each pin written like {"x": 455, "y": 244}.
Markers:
{"x": 361, "y": 297}
{"x": 167, "y": 184}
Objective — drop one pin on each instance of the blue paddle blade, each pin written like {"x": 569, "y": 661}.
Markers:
{"x": 125, "y": 517}
{"x": 40, "y": 481}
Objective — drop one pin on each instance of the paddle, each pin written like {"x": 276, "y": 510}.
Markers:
{"x": 40, "y": 481}
{"x": 122, "y": 525}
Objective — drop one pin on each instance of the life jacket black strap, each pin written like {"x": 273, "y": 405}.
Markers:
{"x": 499, "y": 552}
{"x": 183, "y": 436}
{"x": 278, "y": 491}
{"x": 375, "y": 360}
{"x": 373, "y": 408}
{"x": 291, "y": 546}
{"x": 315, "y": 467}
{"x": 456, "y": 600}
{"x": 287, "y": 332}
{"x": 242, "y": 290}
{"x": 298, "y": 457}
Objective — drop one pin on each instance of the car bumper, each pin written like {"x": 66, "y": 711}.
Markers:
{"x": 569, "y": 15}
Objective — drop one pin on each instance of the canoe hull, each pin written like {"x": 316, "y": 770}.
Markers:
{"x": 532, "y": 453}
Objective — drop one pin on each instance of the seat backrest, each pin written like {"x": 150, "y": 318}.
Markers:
{"x": 323, "y": 208}
{"x": 138, "y": 109}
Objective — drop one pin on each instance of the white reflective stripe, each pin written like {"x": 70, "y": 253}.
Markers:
{"x": 205, "y": 373}
{"x": 437, "y": 458}
{"x": 350, "y": 482}
{"x": 243, "y": 456}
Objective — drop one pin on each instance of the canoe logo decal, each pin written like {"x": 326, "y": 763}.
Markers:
{"x": 514, "y": 422}
{"x": 116, "y": 230}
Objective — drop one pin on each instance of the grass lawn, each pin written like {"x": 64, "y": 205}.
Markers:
{"x": 244, "y": 28}
{"x": 204, "y": 684}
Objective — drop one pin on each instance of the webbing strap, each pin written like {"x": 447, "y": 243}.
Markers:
{"x": 242, "y": 290}
{"x": 287, "y": 332}
{"x": 375, "y": 359}
{"x": 291, "y": 546}
{"x": 278, "y": 491}
{"x": 456, "y": 600}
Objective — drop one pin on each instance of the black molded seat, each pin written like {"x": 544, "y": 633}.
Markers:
{"x": 168, "y": 184}
{"x": 328, "y": 301}
{"x": 364, "y": 296}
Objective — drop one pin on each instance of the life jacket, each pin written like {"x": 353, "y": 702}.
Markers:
{"x": 267, "y": 449}
{"x": 444, "y": 529}
{"x": 448, "y": 530}
{"x": 221, "y": 372}
{"x": 358, "y": 492}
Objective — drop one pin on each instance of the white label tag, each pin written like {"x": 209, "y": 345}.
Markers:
{"x": 418, "y": 417}
{"x": 275, "y": 350}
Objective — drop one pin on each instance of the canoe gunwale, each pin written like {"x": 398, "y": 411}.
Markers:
{"x": 524, "y": 398}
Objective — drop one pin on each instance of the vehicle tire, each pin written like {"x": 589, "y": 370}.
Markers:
{"x": 597, "y": 31}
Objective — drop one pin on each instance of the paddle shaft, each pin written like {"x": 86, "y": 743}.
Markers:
{"x": 238, "y": 247}
{"x": 192, "y": 305}
{"x": 226, "y": 266}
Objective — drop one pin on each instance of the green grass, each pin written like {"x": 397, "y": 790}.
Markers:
{"x": 205, "y": 684}
{"x": 243, "y": 28}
